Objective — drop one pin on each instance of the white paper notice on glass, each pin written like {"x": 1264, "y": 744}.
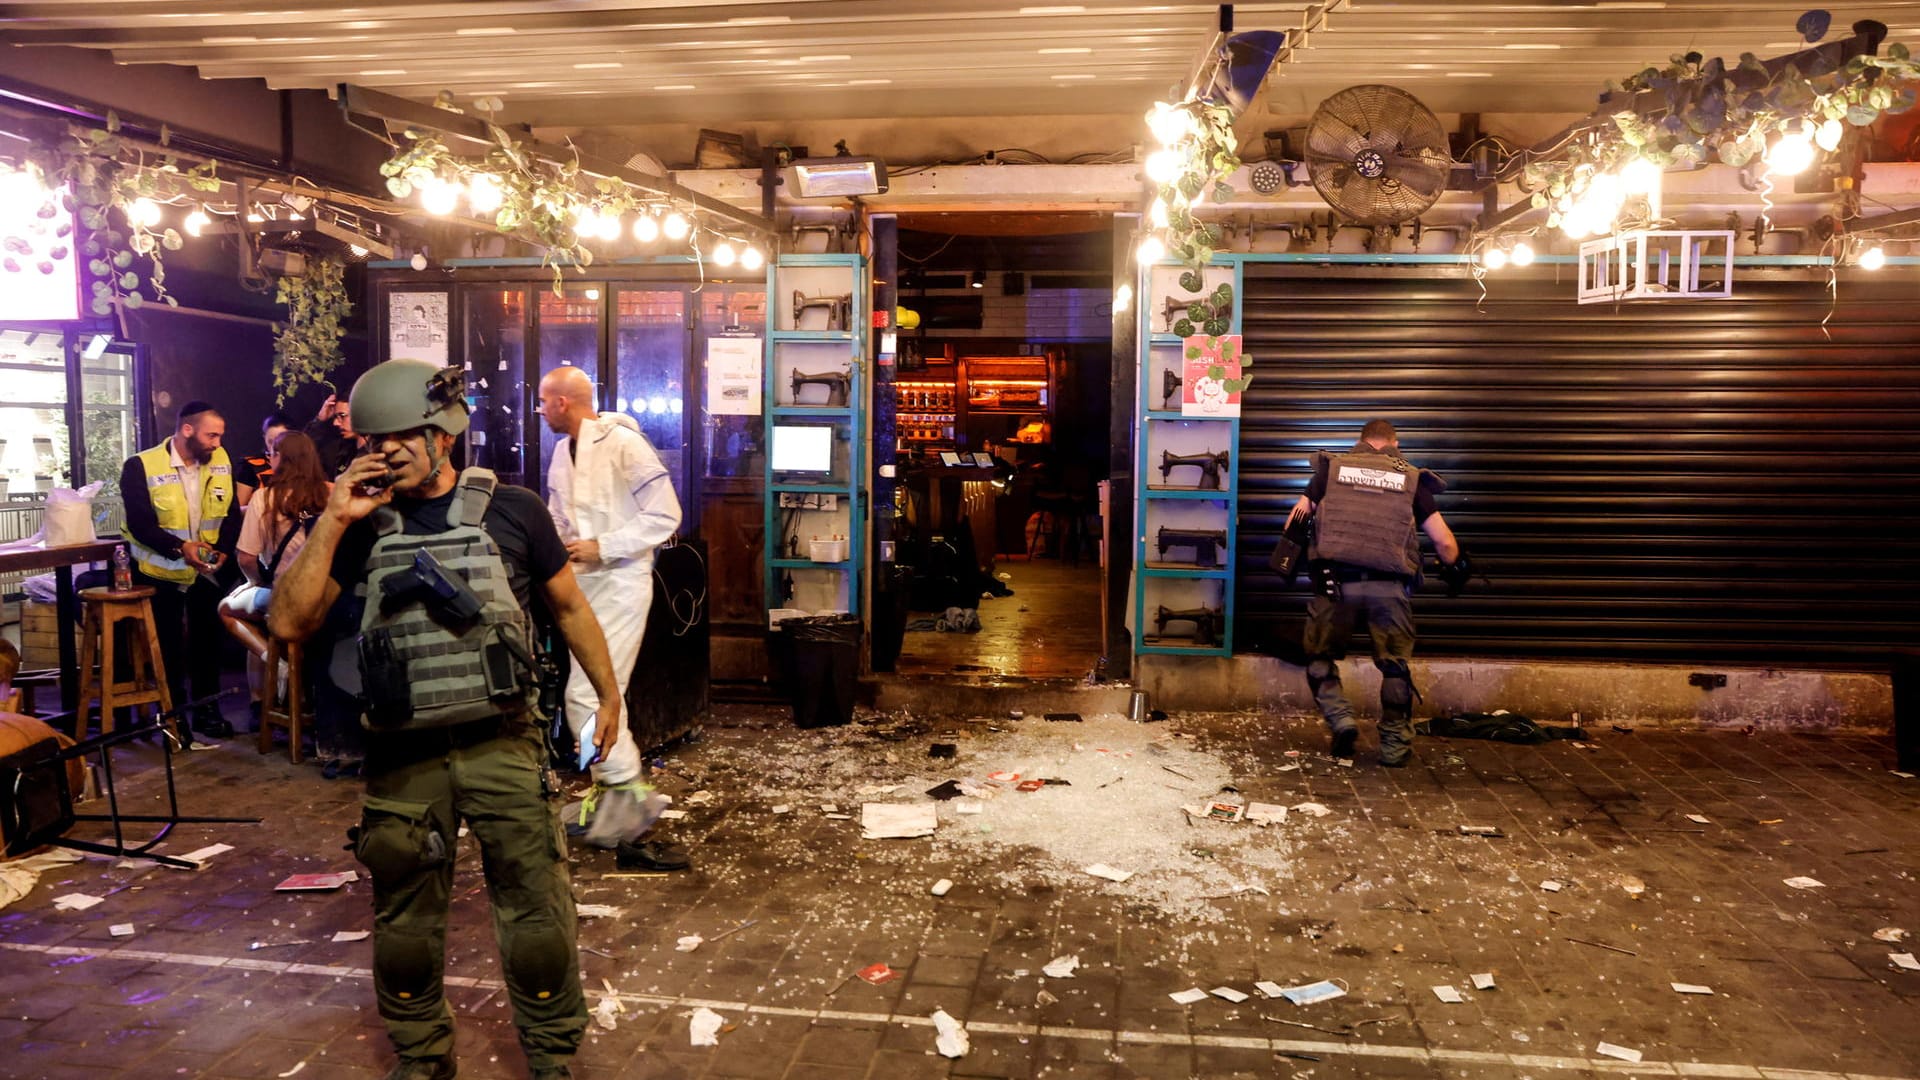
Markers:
{"x": 417, "y": 326}
{"x": 733, "y": 376}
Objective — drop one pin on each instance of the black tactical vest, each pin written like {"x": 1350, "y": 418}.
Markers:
{"x": 1365, "y": 518}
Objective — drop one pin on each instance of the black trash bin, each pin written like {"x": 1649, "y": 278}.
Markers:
{"x": 824, "y": 651}
{"x": 890, "y": 616}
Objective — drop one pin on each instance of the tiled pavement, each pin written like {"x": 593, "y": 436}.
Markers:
{"x": 1383, "y": 895}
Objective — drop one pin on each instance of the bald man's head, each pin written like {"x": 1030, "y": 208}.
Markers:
{"x": 566, "y": 398}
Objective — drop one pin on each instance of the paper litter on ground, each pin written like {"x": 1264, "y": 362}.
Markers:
{"x": 1102, "y": 870}
{"x": 901, "y": 821}
{"x": 1312, "y": 809}
{"x": 199, "y": 856}
{"x": 1699, "y": 819}
{"x": 878, "y": 973}
{"x": 1624, "y": 1053}
{"x": 1061, "y": 967}
{"x": 18, "y": 876}
{"x": 1230, "y": 994}
{"x": 1889, "y": 933}
{"x": 1805, "y": 883}
{"x": 124, "y": 929}
{"x": 689, "y": 943}
{"x": 1270, "y": 989}
{"x": 1482, "y": 981}
{"x": 704, "y": 1027}
{"x": 672, "y": 815}
{"x": 1266, "y": 813}
{"x": 597, "y": 911}
{"x": 1904, "y": 961}
{"x": 76, "y": 902}
{"x": 941, "y": 887}
{"x": 1692, "y": 988}
{"x": 1448, "y": 994}
{"x": 316, "y": 882}
{"x": 949, "y": 1037}
{"x": 1551, "y": 886}
{"x": 351, "y": 935}
{"x": 1188, "y": 997}
{"x": 782, "y": 808}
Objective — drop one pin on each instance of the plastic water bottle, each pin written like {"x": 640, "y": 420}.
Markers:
{"x": 122, "y": 570}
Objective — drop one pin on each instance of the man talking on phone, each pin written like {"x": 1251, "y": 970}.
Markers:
{"x": 448, "y": 563}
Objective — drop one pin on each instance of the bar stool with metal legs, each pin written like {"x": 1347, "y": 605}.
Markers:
{"x": 291, "y": 710}
{"x": 106, "y": 610}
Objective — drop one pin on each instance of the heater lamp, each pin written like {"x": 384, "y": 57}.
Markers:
{"x": 839, "y": 176}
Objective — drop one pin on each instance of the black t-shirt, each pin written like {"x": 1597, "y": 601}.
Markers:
{"x": 243, "y": 470}
{"x": 516, "y": 519}
{"x": 1424, "y": 504}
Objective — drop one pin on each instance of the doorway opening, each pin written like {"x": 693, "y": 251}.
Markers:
{"x": 1001, "y": 401}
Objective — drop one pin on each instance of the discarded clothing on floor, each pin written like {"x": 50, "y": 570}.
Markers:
{"x": 1501, "y": 726}
{"x": 956, "y": 620}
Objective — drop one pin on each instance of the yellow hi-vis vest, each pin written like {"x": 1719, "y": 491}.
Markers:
{"x": 169, "y": 498}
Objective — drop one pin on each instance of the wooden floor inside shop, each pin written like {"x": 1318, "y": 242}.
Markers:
{"x": 1048, "y": 629}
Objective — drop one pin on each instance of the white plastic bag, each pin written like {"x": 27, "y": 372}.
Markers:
{"x": 69, "y": 515}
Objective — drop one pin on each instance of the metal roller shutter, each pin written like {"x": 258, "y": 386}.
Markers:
{"x": 1687, "y": 481}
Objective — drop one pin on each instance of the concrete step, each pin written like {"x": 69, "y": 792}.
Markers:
{"x": 963, "y": 696}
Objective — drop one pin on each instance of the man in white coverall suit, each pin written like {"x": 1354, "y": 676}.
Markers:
{"x": 613, "y": 503}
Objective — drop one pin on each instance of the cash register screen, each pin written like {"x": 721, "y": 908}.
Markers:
{"x": 803, "y": 448}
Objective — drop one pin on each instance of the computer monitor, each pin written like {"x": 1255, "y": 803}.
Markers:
{"x": 803, "y": 448}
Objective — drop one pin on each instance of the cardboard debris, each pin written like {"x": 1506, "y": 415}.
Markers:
{"x": 1448, "y": 994}
{"x": 1624, "y": 1053}
{"x": 1312, "y": 809}
{"x": 688, "y": 943}
{"x": 942, "y": 887}
{"x": 1102, "y": 870}
{"x": 350, "y": 935}
{"x": 124, "y": 929}
{"x": 1061, "y": 967}
{"x": 1188, "y": 997}
{"x": 889, "y": 821}
{"x": 1228, "y": 993}
{"x": 1692, "y": 988}
{"x": 1482, "y": 981}
{"x": 1904, "y": 961}
{"x": 76, "y": 902}
{"x": 1551, "y": 886}
{"x": 1805, "y": 883}
{"x": 878, "y": 973}
{"x": 949, "y": 1037}
{"x": 704, "y": 1027}
{"x": 1311, "y": 993}
{"x": 316, "y": 882}
{"x": 1890, "y": 933}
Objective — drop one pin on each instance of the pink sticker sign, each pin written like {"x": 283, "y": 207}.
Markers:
{"x": 1212, "y": 375}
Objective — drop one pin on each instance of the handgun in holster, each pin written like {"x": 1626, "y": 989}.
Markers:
{"x": 428, "y": 581}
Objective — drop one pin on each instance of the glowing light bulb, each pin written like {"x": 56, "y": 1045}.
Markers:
{"x": 144, "y": 212}
{"x": 722, "y": 254}
{"x": 676, "y": 226}
{"x": 1605, "y": 193}
{"x": 646, "y": 228}
{"x": 752, "y": 259}
{"x": 1792, "y": 152}
{"x": 657, "y": 404}
{"x": 1123, "y": 297}
{"x": 484, "y": 193}
{"x": 1162, "y": 166}
{"x": 1168, "y": 124}
{"x": 1522, "y": 254}
{"x": 1641, "y": 177}
{"x": 196, "y": 221}
{"x": 608, "y": 227}
{"x": 358, "y": 251}
{"x": 1157, "y": 214}
{"x": 1873, "y": 258}
{"x": 1493, "y": 258}
{"x": 439, "y": 197}
{"x": 1151, "y": 250}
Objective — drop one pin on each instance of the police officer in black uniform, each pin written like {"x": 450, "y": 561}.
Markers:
{"x": 1369, "y": 506}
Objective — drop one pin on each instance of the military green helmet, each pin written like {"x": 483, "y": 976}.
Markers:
{"x": 401, "y": 395}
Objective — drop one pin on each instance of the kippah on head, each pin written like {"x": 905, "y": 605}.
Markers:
{"x": 191, "y": 411}
{"x": 1379, "y": 431}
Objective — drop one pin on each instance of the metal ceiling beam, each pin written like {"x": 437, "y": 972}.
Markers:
{"x": 359, "y": 99}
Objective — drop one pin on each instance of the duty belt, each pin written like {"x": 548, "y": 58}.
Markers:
{"x": 1356, "y": 573}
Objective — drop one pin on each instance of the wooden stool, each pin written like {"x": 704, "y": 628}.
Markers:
{"x": 106, "y": 610}
{"x": 292, "y": 711}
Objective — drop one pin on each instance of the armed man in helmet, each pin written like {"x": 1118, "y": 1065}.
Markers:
{"x": 1369, "y": 506}
{"x": 448, "y": 564}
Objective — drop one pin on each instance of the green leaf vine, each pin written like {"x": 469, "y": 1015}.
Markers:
{"x": 1226, "y": 350}
{"x": 1206, "y": 156}
{"x": 306, "y": 348}
{"x": 108, "y": 182}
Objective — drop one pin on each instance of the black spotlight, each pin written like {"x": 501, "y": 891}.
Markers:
{"x": 977, "y": 280}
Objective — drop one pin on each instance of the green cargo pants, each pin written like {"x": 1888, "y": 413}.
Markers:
{"x": 420, "y": 787}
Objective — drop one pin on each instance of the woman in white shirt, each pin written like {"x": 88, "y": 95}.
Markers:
{"x": 276, "y": 525}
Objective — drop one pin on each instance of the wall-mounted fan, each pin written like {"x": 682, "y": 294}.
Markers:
{"x": 1377, "y": 155}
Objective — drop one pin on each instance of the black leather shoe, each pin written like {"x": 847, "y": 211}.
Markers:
{"x": 440, "y": 1068}
{"x": 1343, "y": 741}
{"x": 650, "y": 855}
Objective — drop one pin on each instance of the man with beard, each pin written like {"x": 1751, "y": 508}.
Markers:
{"x": 182, "y": 501}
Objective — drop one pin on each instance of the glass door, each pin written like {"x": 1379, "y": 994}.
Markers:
{"x": 569, "y": 334}
{"x": 109, "y": 425}
{"x": 496, "y": 363}
{"x": 651, "y": 338}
